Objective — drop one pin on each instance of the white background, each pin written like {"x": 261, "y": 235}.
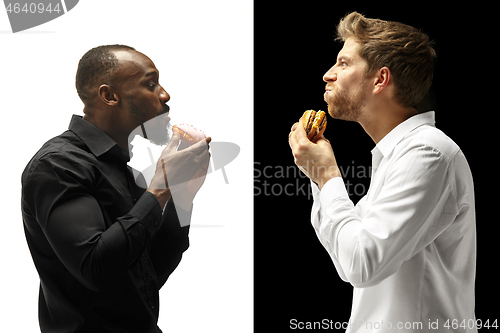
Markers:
{"x": 204, "y": 52}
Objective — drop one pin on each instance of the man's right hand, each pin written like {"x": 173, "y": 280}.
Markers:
{"x": 175, "y": 169}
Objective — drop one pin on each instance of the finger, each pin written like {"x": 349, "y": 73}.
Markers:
{"x": 301, "y": 134}
{"x": 319, "y": 138}
{"x": 199, "y": 149}
{"x": 299, "y": 137}
{"x": 294, "y": 126}
{"x": 183, "y": 145}
{"x": 292, "y": 138}
{"x": 202, "y": 171}
{"x": 176, "y": 136}
{"x": 201, "y": 145}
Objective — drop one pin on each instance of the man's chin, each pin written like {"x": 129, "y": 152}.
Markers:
{"x": 343, "y": 113}
{"x": 160, "y": 136}
{"x": 160, "y": 141}
{"x": 157, "y": 130}
{"x": 334, "y": 112}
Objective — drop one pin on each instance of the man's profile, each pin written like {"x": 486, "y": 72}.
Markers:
{"x": 104, "y": 243}
{"x": 408, "y": 246}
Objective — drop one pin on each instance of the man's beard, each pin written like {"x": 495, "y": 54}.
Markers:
{"x": 156, "y": 130}
{"x": 344, "y": 105}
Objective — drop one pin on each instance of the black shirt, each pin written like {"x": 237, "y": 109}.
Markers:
{"x": 101, "y": 244}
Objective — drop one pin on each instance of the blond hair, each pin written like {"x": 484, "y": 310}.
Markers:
{"x": 406, "y": 51}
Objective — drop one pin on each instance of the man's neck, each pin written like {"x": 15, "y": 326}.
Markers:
{"x": 107, "y": 127}
{"x": 378, "y": 123}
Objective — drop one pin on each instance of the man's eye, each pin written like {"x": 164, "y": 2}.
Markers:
{"x": 343, "y": 64}
{"x": 152, "y": 84}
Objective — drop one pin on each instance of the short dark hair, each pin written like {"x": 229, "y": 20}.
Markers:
{"x": 96, "y": 67}
{"x": 406, "y": 51}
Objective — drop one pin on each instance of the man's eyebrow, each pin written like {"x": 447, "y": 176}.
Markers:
{"x": 345, "y": 58}
{"x": 152, "y": 73}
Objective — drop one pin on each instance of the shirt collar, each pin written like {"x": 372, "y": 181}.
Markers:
{"x": 96, "y": 140}
{"x": 388, "y": 142}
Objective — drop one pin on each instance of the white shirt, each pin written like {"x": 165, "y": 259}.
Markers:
{"x": 409, "y": 246}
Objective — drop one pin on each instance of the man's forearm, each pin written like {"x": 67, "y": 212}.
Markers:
{"x": 162, "y": 195}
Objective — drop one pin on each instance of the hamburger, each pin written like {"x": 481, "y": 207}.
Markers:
{"x": 314, "y": 123}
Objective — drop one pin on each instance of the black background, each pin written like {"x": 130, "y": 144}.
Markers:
{"x": 294, "y": 46}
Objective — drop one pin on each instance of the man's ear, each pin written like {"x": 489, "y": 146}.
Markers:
{"x": 382, "y": 80}
{"x": 107, "y": 95}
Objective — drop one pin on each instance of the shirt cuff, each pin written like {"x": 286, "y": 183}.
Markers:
{"x": 148, "y": 212}
{"x": 332, "y": 190}
{"x": 315, "y": 190}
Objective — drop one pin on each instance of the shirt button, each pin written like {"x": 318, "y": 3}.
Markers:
{"x": 156, "y": 223}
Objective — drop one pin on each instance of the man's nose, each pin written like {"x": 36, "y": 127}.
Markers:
{"x": 331, "y": 75}
{"x": 164, "y": 96}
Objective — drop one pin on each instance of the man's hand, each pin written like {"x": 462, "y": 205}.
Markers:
{"x": 185, "y": 196}
{"x": 315, "y": 160}
{"x": 180, "y": 173}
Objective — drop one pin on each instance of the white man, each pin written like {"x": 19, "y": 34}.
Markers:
{"x": 408, "y": 246}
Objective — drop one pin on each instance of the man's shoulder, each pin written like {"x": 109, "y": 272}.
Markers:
{"x": 430, "y": 137}
{"x": 66, "y": 146}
